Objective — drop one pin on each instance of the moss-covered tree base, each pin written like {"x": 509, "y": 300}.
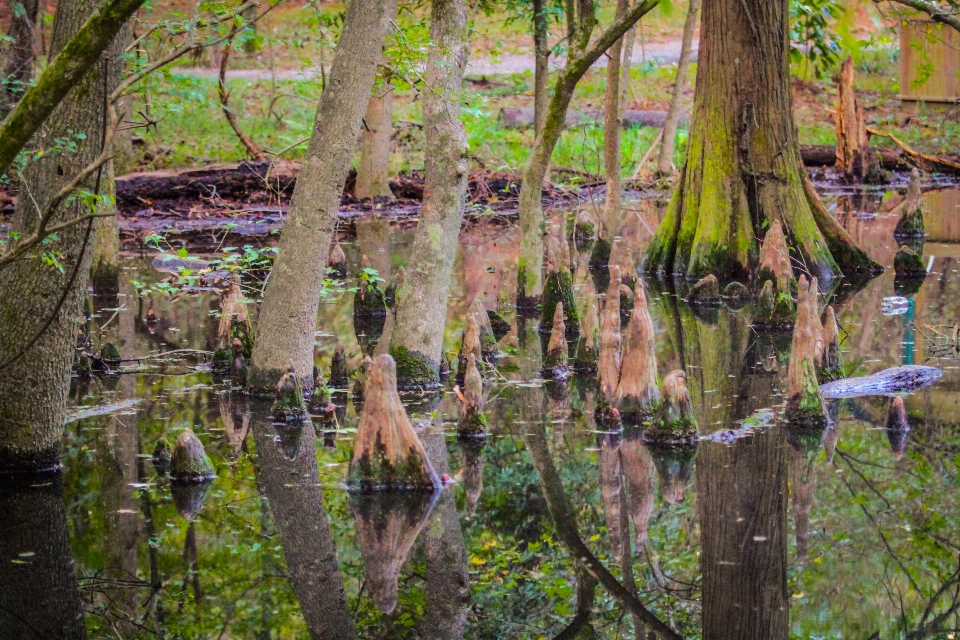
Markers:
{"x": 473, "y": 425}
{"x": 415, "y": 371}
{"x": 558, "y": 289}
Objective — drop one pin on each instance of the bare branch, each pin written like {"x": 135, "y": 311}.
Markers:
{"x": 936, "y": 12}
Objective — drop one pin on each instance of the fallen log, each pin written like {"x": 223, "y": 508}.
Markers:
{"x": 903, "y": 379}
{"x": 522, "y": 118}
{"x": 825, "y": 155}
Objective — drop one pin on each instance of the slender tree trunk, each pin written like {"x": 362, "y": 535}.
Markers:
{"x": 541, "y": 72}
{"x": 580, "y": 58}
{"x": 626, "y": 61}
{"x": 667, "y": 147}
{"x": 24, "y": 33}
{"x": 39, "y": 331}
{"x": 39, "y": 596}
{"x": 288, "y": 316}
{"x": 373, "y": 179}
{"x": 743, "y": 168}
{"x": 105, "y": 271}
{"x": 417, "y": 341}
{"x": 292, "y": 488}
{"x": 612, "y": 126}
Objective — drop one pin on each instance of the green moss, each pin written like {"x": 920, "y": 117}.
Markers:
{"x": 105, "y": 277}
{"x": 289, "y": 405}
{"x": 473, "y": 425}
{"x": 910, "y": 225}
{"x": 222, "y": 361}
{"x": 110, "y": 354}
{"x": 558, "y": 288}
{"x": 414, "y": 370}
{"x": 908, "y": 263}
{"x": 600, "y": 255}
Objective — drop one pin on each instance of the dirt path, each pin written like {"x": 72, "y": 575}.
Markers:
{"x": 657, "y": 52}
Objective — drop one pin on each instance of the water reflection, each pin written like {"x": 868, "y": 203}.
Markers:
{"x": 556, "y": 523}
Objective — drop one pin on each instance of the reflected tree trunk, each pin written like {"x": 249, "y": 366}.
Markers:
{"x": 296, "y": 504}
{"x": 448, "y": 580}
{"x": 39, "y": 596}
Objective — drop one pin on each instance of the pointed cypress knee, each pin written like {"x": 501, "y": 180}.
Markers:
{"x": 162, "y": 455}
{"x": 775, "y": 308}
{"x": 189, "y": 461}
{"x": 832, "y": 366}
{"x": 289, "y": 405}
{"x": 472, "y": 472}
{"x": 558, "y": 289}
{"x": 674, "y": 422}
{"x": 337, "y": 261}
{"x": 606, "y": 414}
{"x": 897, "y": 427}
{"x": 387, "y": 454}
{"x": 910, "y": 210}
{"x": 473, "y": 421}
{"x": 339, "y": 377}
{"x": 469, "y": 346}
{"x": 706, "y": 291}
{"x": 804, "y": 403}
{"x": 555, "y": 366}
{"x": 674, "y": 465}
{"x": 908, "y": 264}
{"x": 588, "y": 349}
{"x": 637, "y": 393}
{"x": 488, "y": 341}
{"x": 360, "y": 382}
{"x": 238, "y": 368}
{"x": 234, "y": 325}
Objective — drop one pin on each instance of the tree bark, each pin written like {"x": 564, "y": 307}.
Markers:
{"x": 39, "y": 596}
{"x": 39, "y": 304}
{"x": 743, "y": 167}
{"x": 373, "y": 179}
{"x": 24, "y": 32}
{"x": 71, "y": 61}
{"x": 541, "y": 71}
{"x": 665, "y": 162}
{"x": 417, "y": 341}
{"x": 580, "y": 58}
{"x": 293, "y": 490}
{"x": 105, "y": 271}
{"x": 612, "y": 125}
{"x": 288, "y": 315}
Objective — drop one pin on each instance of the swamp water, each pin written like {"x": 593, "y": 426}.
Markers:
{"x": 852, "y": 532}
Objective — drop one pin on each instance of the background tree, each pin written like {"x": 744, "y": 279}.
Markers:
{"x": 580, "y": 57}
{"x": 288, "y": 315}
{"x": 669, "y": 144}
{"x": 743, "y": 167}
{"x": 23, "y": 47}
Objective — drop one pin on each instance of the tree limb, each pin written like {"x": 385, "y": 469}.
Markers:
{"x": 932, "y": 9}
{"x": 247, "y": 142}
{"x": 79, "y": 55}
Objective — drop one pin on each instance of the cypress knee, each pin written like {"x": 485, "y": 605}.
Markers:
{"x": 289, "y": 405}
{"x": 473, "y": 421}
{"x": 637, "y": 393}
{"x": 387, "y": 453}
{"x": 804, "y": 403}
{"x": 910, "y": 211}
{"x": 189, "y": 461}
{"x": 555, "y": 366}
{"x": 675, "y": 422}
{"x": 605, "y": 413}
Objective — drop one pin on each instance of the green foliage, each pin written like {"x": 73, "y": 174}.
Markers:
{"x": 811, "y": 38}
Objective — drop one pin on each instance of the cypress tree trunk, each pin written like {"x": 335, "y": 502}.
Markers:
{"x": 743, "y": 168}
{"x": 24, "y": 34}
{"x": 417, "y": 341}
{"x": 288, "y": 316}
{"x": 669, "y": 144}
{"x": 580, "y": 57}
{"x": 612, "y": 126}
{"x": 373, "y": 172}
{"x": 34, "y": 380}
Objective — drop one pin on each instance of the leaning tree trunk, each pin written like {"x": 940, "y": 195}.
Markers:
{"x": 40, "y": 304}
{"x": 373, "y": 179}
{"x": 612, "y": 125}
{"x": 24, "y": 34}
{"x": 580, "y": 57}
{"x": 417, "y": 341}
{"x": 288, "y": 316}
{"x": 667, "y": 147}
{"x": 743, "y": 168}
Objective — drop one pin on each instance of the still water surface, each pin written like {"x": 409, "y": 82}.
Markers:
{"x": 849, "y": 533}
